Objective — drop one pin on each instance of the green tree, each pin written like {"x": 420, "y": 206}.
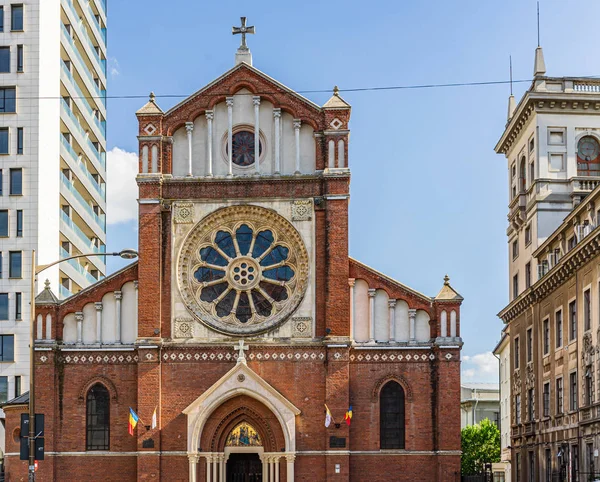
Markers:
{"x": 480, "y": 444}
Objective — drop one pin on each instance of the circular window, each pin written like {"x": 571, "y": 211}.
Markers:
{"x": 243, "y": 148}
{"x": 243, "y": 270}
{"x": 588, "y": 148}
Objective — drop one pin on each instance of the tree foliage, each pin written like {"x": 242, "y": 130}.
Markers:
{"x": 480, "y": 444}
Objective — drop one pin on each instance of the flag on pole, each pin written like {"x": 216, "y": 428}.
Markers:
{"x": 154, "y": 422}
{"x": 328, "y": 416}
{"x": 133, "y": 420}
{"x": 348, "y": 416}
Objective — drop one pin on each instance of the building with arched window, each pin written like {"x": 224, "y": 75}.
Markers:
{"x": 245, "y": 320}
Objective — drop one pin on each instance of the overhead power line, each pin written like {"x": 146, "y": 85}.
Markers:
{"x": 324, "y": 91}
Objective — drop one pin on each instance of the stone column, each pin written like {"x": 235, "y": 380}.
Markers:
{"x": 193, "y": 460}
{"x": 271, "y": 468}
{"x": 412, "y": 315}
{"x": 99, "y": 307}
{"x": 256, "y": 103}
{"x": 79, "y": 320}
{"x": 352, "y": 282}
{"x": 189, "y": 127}
{"x": 265, "y": 468}
{"x": 372, "y": 315}
{"x": 297, "y": 124}
{"x": 290, "y": 458}
{"x": 209, "y": 140}
{"x": 215, "y": 467}
{"x": 118, "y": 298}
{"x": 229, "y": 102}
{"x": 276, "y": 463}
{"x": 135, "y": 285}
{"x": 208, "y": 460}
{"x": 392, "y": 317}
{"x": 277, "y": 118}
{"x": 222, "y": 468}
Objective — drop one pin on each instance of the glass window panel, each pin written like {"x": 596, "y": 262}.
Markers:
{"x": 4, "y": 59}
{"x": 264, "y": 239}
{"x": 1, "y": 19}
{"x": 98, "y": 418}
{"x": 7, "y": 348}
{"x": 276, "y": 255}
{"x": 19, "y": 223}
{"x": 18, "y": 301}
{"x": 212, "y": 256}
{"x": 211, "y": 293}
{"x": 16, "y": 182}
{"x": 3, "y": 389}
{"x": 15, "y": 264}
{"x": 243, "y": 312}
{"x": 262, "y": 306}
{"x": 16, "y": 22}
{"x": 283, "y": 273}
{"x": 226, "y": 304}
{"x": 204, "y": 275}
{"x": 244, "y": 239}
{"x": 20, "y": 58}
{"x": 276, "y": 292}
{"x": 4, "y": 140}
{"x": 4, "y": 223}
{"x": 20, "y": 140}
{"x": 8, "y": 99}
{"x": 3, "y": 306}
{"x": 225, "y": 242}
{"x": 391, "y": 409}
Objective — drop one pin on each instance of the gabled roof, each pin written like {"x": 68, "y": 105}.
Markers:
{"x": 242, "y": 66}
{"x": 46, "y": 297}
{"x": 336, "y": 102}
{"x": 22, "y": 399}
{"x": 447, "y": 293}
{"x": 151, "y": 107}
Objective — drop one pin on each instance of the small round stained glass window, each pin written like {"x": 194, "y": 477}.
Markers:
{"x": 243, "y": 154}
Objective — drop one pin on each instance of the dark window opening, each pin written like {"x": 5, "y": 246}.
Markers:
{"x": 98, "y": 418}
{"x": 392, "y": 424}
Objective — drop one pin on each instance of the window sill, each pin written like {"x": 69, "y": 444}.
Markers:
{"x": 15, "y": 277}
{"x": 17, "y": 31}
{"x": 16, "y": 195}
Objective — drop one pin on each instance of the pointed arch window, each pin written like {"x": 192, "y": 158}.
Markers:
{"x": 97, "y": 418}
{"x": 391, "y": 416}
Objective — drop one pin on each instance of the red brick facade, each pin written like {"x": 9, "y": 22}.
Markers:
{"x": 325, "y": 369}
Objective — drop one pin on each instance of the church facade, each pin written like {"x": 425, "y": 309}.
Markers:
{"x": 245, "y": 323}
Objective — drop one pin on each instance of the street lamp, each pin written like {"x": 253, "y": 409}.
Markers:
{"x": 35, "y": 270}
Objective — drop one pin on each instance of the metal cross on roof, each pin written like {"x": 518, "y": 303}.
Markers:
{"x": 243, "y": 30}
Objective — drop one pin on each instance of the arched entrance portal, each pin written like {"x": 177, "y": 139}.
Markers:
{"x": 240, "y": 418}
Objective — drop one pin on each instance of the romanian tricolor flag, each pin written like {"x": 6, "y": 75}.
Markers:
{"x": 348, "y": 416}
{"x": 133, "y": 420}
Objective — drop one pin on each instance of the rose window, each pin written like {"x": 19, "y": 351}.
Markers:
{"x": 243, "y": 148}
{"x": 243, "y": 270}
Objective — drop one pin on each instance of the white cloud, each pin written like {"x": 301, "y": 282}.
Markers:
{"x": 122, "y": 190}
{"x": 113, "y": 66}
{"x": 482, "y": 367}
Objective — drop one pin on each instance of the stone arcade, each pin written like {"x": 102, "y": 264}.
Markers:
{"x": 245, "y": 316}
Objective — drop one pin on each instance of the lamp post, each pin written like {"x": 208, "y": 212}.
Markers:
{"x": 35, "y": 270}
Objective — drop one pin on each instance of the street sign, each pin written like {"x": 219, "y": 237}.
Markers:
{"x": 39, "y": 437}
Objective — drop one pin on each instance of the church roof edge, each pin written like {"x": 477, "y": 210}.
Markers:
{"x": 236, "y": 67}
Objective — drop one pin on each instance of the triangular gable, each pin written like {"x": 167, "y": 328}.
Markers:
{"x": 232, "y": 71}
{"x": 241, "y": 380}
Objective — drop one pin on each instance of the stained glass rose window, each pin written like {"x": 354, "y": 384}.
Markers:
{"x": 243, "y": 148}
{"x": 243, "y": 270}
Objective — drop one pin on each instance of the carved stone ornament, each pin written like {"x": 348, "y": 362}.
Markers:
{"x": 301, "y": 210}
{"x": 243, "y": 270}
{"x": 184, "y": 213}
{"x": 150, "y": 129}
{"x": 302, "y": 327}
{"x": 184, "y": 328}
{"x": 587, "y": 354}
{"x": 530, "y": 376}
{"x": 517, "y": 382}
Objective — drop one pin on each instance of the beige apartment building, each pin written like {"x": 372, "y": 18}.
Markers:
{"x": 552, "y": 145}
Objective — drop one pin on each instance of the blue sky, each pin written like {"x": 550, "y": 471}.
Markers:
{"x": 428, "y": 193}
